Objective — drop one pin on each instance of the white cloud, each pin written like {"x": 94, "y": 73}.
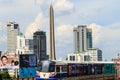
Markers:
{"x": 111, "y": 32}
{"x": 107, "y": 38}
{"x": 3, "y": 37}
{"x": 1, "y": 26}
{"x": 39, "y": 1}
{"x": 96, "y": 30}
{"x": 35, "y": 25}
{"x": 64, "y": 40}
{"x": 64, "y": 32}
{"x": 63, "y": 5}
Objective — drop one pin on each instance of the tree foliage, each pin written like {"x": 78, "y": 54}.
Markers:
{"x": 4, "y": 75}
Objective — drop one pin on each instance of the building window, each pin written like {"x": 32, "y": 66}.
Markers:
{"x": 86, "y": 58}
{"x": 72, "y": 58}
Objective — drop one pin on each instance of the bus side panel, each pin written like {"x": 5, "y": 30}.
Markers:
{"x": 85, "y": 69}
{"x": 107, "y": 68}
{"x": 80, "y": 69}
{"x": 71, "y": 70}
{"x": 61, "y": 71}
{"x": 98, "y": 68}
{"x": 89, "y": 71}
{"x": 113, "y": 69}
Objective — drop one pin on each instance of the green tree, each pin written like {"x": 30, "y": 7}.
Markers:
{"x": 5, "y": 75}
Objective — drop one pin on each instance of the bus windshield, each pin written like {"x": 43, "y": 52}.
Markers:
{"x": 46, "y": 66}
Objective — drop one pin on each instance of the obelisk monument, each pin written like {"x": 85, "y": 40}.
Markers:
{"x": 52, "y": 38}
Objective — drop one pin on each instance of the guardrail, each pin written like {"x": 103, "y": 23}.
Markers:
{"x": 93, "y": 77}
{"x": 88, "y": 77}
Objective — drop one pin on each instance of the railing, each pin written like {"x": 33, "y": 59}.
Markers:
{"x": 88, "y": 77}
{"x": 93, "y": 77}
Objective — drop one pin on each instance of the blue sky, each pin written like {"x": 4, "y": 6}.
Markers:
{"x": 103, "y": 16}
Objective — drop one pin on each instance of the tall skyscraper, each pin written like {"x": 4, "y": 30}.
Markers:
{"x": 12, "y": 33}
{"x": 82, "y": 38}
{"x": 39, "y": 45}
{"x": 52, "y": 38}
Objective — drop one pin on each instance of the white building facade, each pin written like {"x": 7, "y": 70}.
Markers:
{"x": 23, "y": 45}
{"x": 89, "y": 55}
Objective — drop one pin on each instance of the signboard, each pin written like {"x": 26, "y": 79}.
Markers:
{"x": 27, "y": 72}
{"x": 28, "y": 60}
{"x": 28, "y": 63}
{"x": 9, "y": 63}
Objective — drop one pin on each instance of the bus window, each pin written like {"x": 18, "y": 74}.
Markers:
{"x": 57, "y": 68}
{"x": 64, "y": 69}
{"x": 52, "y": 68}
{"x": 47, "y": 66}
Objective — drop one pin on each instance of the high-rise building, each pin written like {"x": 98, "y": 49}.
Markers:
{"x": 12, "y": 33}
{"x": 24, "y": 46}
{"x": 82, "y": 38}
{"x": 39, "y": 45}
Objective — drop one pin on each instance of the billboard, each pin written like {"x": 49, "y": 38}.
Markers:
{"x": 9, "y": 61}
{"x": 27, "y": 72}
{"x": 28, "y": 63}
{"x": 28, "y": 60}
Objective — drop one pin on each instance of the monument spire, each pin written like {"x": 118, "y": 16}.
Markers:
{"x": 52, "y": 38}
